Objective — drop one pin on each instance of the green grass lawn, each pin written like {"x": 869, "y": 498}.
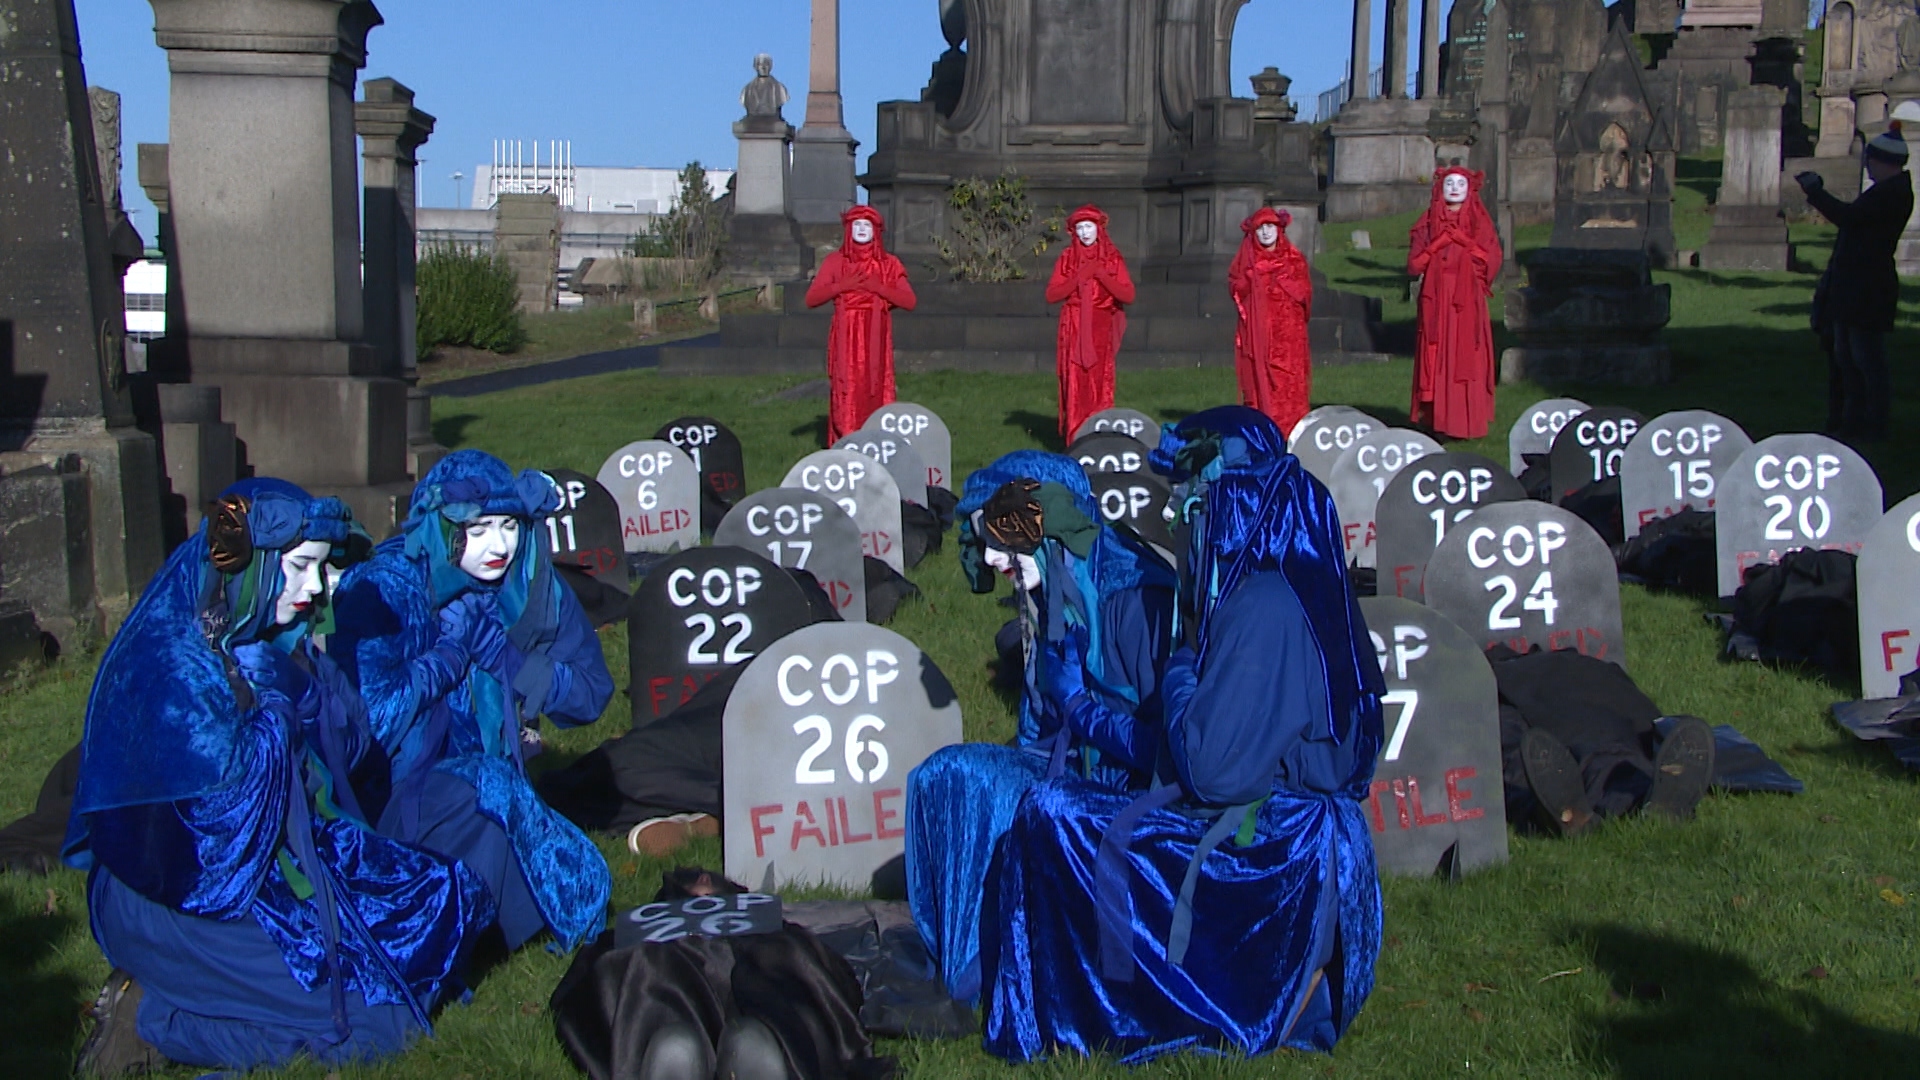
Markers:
{"x": 1773, "y": 936}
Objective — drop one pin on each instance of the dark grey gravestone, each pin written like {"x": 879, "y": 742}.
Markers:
{"x": 1362, "y": 473}
{"x": 1109, "y": 452}
{"x": 1889, "y": 577}
{"x": 819, "y": 736}
{"x": 716, "y": 454}
{"x": 585, "y": 531}
{"x": 1322, "y": 441}
{"x": 699, "y": 613}
{"x": 658, "y": 490}
{"x": 1137, "y": 500}
{"x": 1536, "y": 429}
{"x": 928, "y": 433}
{"x": 1424, "y": 503}
{"x": 1435, "y": 804}
{"x": 1590, "y": 448}
{"x": 1132, "y": 423}
{"x": 902, "y": 461}
{"x": 1529, "y": 573}
{"x": 1675, "y": 463}
{"x": 803, "y": 531}
{"x": 865, "y": 490}
{"x": 1790, "y": 492}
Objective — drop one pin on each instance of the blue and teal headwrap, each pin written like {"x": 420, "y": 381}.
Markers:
{"x": 240, "y": 593}
{"x": 981, "y": 485}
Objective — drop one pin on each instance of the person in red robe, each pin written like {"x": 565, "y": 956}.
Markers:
{"x": 1272, "y": 287}
{"x": 865, "y": 284}
{"x": 1091, "y": 285}
{"x": 1456, "y": 254}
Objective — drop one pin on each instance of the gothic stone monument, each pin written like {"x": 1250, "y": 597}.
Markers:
{"x": 1749, "y": 232}
{"x": 763, "y": 240}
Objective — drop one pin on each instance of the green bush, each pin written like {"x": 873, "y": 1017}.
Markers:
{"x": 467, "y": 297}
{"x": 997, "y": 227}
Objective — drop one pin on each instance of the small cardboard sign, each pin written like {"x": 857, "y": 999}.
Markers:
{"x": 697, "y": 614}
{"x": 928, "y": 433}
{"x": 1129, "y": 422}
{"x": 1675, "y": 463}
{"x": 666, "y": 921}
{"x": 866, "y": 491}
{"x": 658, "y": 490}
{"x": 1536, "y": 429}
{"x": 819, "y": 736}
{"x": 1790, "y": 492}
{"x": 1137, "y": 500}
{"x": 1437, "y": 782}
{"x": 1362, "y": 473}
{"x": 585, "y": 531}
{"x": 1109, "y": 452}
{"x": 1529, "y": 573}
{"x": 902, "y": 461}
{"x": 1591, "y": 448}
{"x": 1326, "y": 433}
{"x": 716, "y": 455}
{"x": 803, "y": 531}
{"x": 1423, "y": 503}
{"x": 1889, "y": 579}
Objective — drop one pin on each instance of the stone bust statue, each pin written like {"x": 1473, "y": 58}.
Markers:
{"x": 764, "y": 96}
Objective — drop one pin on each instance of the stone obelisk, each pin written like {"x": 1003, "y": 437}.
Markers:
{"x": 823, "y": 149}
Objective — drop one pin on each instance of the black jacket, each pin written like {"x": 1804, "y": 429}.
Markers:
{"x": 1863, "y": 289}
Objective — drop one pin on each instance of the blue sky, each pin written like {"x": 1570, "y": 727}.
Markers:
{"x": 643, "y": 82}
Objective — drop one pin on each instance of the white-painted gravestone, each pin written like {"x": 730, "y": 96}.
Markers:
{"x": 803, "y": 531}
{"x": 585, "y": 531}
{"x": 928, "y": 433}
{"x": 819, "y": 736}
{"x": 1675, "y": 463}
{"x": 1427, "y": 500}
{"x": 865, "y": 490}
{"x": 1889, "y": 578}
{"x": 658, "y": 489}
{"x": 1436, "y": 801}
{"x": 1790, "y": 492}
{"x": 1536, "y": 429}
{"x": 1328, "y": 432}
{"x": 1362, "y": 473}
{"x": 1129, "y": 422}
{"x": 1137, "y": 500}
{"x": 1109, "y": 452}
{"x": 1590, "y": 448}
{"x": 901, "y": 460}
{"x": 1529, "y": 573}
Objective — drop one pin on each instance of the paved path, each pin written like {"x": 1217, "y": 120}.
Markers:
{"x": 628, "y": 359}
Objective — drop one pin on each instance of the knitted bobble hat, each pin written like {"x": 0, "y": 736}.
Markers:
{"x": 1890, "y": 144}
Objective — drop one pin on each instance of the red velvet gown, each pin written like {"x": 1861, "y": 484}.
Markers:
{"x": 1092, "y": 287}
{"x": 1456, "y": 253}
{"x": 1273, "y": 290}
{"x": 865, "y": 284}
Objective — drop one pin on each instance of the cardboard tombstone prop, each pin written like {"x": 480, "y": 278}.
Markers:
{"x": 819, "y": 736}
{"x": 1129, "y": 422}
{"x": 699, "y": 613}
{"x": 803, "y": 531}
{"x": 1139, "y": 501}
{"x": 1422, "y": 504}
{"x": 928, "y": 433}
{"x": 1789, "y": 492}
{"x": 865, "y": 490}
{"x": 1436, "y": 802}
{"x": 717, "y": 457}
{"x": 1675, "y": 463}
{"x": 901, "y": 460}
{"x": 585, "y": 531}
{"x": 1362, "y": 473}
{"x": 658, "y": 490}
{"x": 1591, "y": 448}
{"x": 1321, "y": 441}
{"x": 1889, "y": 579}
{"x": 1529, "y": 573}
{"x": 1109, "y": 452}
{"x": 1536, "y": 429}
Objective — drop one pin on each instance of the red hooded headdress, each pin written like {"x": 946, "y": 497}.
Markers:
{"x": 1474, "y": 216}
{"x": 863, "y": 252}
{"x": 1102, "y": 249}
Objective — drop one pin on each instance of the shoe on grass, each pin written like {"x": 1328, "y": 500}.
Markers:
{"x": 1556, "y": 781}
{"x": 1682, "y": 770}
{"x": 115, "y": 1048}
{"x": 662, "y": 836}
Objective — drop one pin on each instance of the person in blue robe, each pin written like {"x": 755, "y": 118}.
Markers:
{"x": 1235, "y": 907}
{"x": 227, "y": 782}
{"x": 1096, "y": 609}
{"x": 459, "y": 635}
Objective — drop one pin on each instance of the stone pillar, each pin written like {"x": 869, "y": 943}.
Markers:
{"x": 1748, "y": 231}
{"x": 265, "y": 197}
{"x": 167, "y": 357}
{"x": 1430, "y": 49}
{"x": 1360, "y": 65}
{"x": 1393, "y": 79}
{"x": 66, "y": 414}
{"x": 526, "y": 232}
{"x": 1493, "y": 142}
{"x": 823, "y": 151}
{"x": 763, "y": 239}
{"x": 391, "y": 132}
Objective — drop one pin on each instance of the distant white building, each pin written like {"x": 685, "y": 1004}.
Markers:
{"x": 145, "y": 285}
{"x": 519, "y": 169}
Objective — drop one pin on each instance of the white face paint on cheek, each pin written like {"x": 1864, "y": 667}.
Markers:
{"x": 492, "y": 542}
{"x": 1088, "y": 232}
{"x": 863, "y": 232}
{"x": 1029, "y": 572}
{"x": 1454, "y": 189}
{"x": 1000, "y": 561}
{"x": 303, "y": 571}
{"x": 1267, "y": 235}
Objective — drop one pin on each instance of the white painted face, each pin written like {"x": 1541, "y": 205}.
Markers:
{"x": 862, "y": 231}
{"x": 1454, "y": 189}
{"x": 1088, "y": 232}
{"x": 1023, "y": 570}
{"x": 1268, "y": 234}
{"x": 304, "y": 570}
{"x": 492, "y": 542}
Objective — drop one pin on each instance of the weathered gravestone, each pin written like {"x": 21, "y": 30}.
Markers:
{"x": 1536, "y": 429}
{"x": 1318, "y": 443}
{"x": 1675, "y": 463}
{"x": 1109, "y": 452}
{"x": 585, "y": 531}
{"x": 1362, "y": 473}
{"x": 897, "y": 456}
{"x": 1889, "y": 579}
{"x": 1435, "y": 804}
{"x": 1590, "y": 448}
{"x": 699, "y": 613}
{"x": 1424, "y": 503}
{"x": 865, "y": 490}
{"x": 928, "y": 433}
{"x": 819, "y": 736}
{"x": 658, "y": 490}
{"x": 1790, "y": 492}
{"x": 717, "y": 457}
{"x": 803, "y": 531}
{"x": 1129, "y": 422}
{"x": 1137, "y": 500}
{"x": 1529, "y": 573}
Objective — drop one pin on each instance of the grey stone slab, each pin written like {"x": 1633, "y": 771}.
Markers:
{"x": 1422, "y": 504}
{"x": 1591, "y": 448}
{"x": 928, "y": 433}
{"x": 1132, "y": 423}
{"x": 1139, "y": 501}
{"x": 658, "y": 489}
{"x": 1361, "y": 473}
{"x": 897, "y": 453}
{"x": 865, "y": 490}
{"x": 1889, "y": 579}
{"x": 1326, "y": 433}
{"x": 1675, "y": 463}
{"x": 1789, "y": 492}
{"x": 1529, "y": 574}
{"x": 1109, "y": 452}
{"x": 1536, "y": 429}
{"x": 803, "y": 531}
